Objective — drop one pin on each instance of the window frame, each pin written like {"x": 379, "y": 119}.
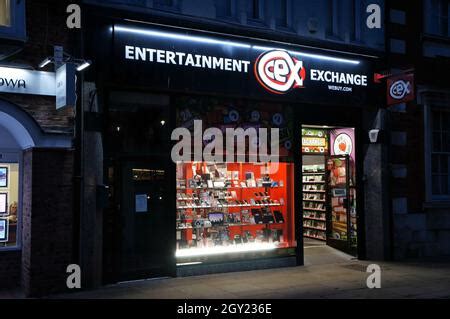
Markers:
{"x": 13, "y": 156}
{"x": 433, "y": 17}
{"x": 16, "y": 30}
{"x": 428, "y": 148}
{"x": 165, "y": 7}
{"x": 233, "y": 10}
{"x": 261, "y": 6}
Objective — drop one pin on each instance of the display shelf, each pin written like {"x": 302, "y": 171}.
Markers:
{"x": 313, "y": 218}
{"x": 315, "y": 209}
{"x": 231, "y": 225}
{"x": 314, "y": 200}
{"x": 314, "y": 237}
{"x": 313, "y": 191}
{"x": 315, "y": 228}
{"x": 229, "y": 206}
{"x": 313, "y": 173}
{"x": 228, "y": 187}
{"x": 318, "y": 182}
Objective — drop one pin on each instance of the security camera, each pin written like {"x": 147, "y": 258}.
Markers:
{"x": 373, "y": 135}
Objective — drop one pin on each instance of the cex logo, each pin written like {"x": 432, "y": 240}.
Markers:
{"x": 278, "y": 72}
{"x": 399, "y": 89}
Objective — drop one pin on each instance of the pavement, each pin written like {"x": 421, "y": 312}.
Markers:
{"x": 327, "y": 274}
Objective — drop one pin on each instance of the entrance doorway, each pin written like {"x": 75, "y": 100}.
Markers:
{"x": 329, "y": 192}
{"x": 145, "y": 250}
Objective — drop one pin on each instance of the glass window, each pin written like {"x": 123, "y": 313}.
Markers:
{"x": 239, "y": 207}
{"x": 233, "y": 208}
{"x": 254, "y": 9}
{"x": 166, "y": 3}
{"x": 224, "y": 8}
{"x": 5, "y": 13}
{"x": 437, "y": 17}
{"x": 440, "y": 157}
{"x": 9, "y": 204}
{"x": 281, "y": 13}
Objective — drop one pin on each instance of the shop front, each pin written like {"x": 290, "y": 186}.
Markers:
{"x": 224, "y": 153}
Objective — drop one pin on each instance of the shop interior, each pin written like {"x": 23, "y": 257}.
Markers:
{"x": 329, "y": 190}
{"x": 232, "y": 209}
{"x": 9, "y": 196}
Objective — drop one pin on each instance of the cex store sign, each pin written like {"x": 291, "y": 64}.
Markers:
{"x": 172, "y": 59}
{"x": 400, "y": 89}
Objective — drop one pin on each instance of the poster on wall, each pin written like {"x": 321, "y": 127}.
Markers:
{"x": 343, "y": 142}
{"x": 141, "y": 203}
{"x": 3, "y": 230}
{"x": 3, "y": 203}
{"x": 314, "y": 141}
{"x": 3, "y": 176}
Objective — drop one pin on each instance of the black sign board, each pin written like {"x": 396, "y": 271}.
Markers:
{"x": 173, "y": 59}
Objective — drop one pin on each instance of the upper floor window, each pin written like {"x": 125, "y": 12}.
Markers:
{"x": 281, "y": 13}
{"x": 440, "y": 154}
{"x": 333, "y": 18}
{"x": 167, "y": 3}
{"x": 437, "y": 17}
{"x": 12, "y": 19}
{"x": 225, "y": 8}
{"x": 255, "y": 9}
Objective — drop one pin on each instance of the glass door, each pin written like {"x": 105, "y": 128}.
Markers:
{"x": 340, "y": 232}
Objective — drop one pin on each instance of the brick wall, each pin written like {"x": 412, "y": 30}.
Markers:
{"x": 9, "y": 269}
{"x": 46, "y": 27}
{"x": 418, "y": 232}
{"x": 47, "y": 220}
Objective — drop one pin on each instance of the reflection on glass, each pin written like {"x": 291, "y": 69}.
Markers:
{"x": 337, "y": 168}
{"x": 9, "y": 198}
{"x": 5, "y": 13}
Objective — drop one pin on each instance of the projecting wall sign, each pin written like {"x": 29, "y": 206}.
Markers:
{"x": 167, "y": 58}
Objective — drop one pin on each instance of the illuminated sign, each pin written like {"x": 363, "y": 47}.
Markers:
{"x": 400, "y": 89}
{"x": 21, "y": 81}
{"x": 168, "y": 58}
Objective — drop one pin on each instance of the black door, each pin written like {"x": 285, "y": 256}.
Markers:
{"x": 147, "y": 236}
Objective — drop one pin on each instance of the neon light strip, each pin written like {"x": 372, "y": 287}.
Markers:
{"x": 309, "y": 55}
{"x": 218, "y": 250}
{"x": 168, "y": 35}
{"x": 208, "y": 40}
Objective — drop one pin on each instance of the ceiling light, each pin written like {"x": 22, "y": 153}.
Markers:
{"x": 45, "y": 62}
{"x": 83, "y": 66}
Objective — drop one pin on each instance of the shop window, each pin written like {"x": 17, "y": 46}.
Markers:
{"x": 9, "y": 204}
{"x": 440, "y": 154}
{"x": 12, "y": 19}
{"x": 233, "y": 208}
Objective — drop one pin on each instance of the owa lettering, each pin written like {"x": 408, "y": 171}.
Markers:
{"x": 13, "y": 83}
